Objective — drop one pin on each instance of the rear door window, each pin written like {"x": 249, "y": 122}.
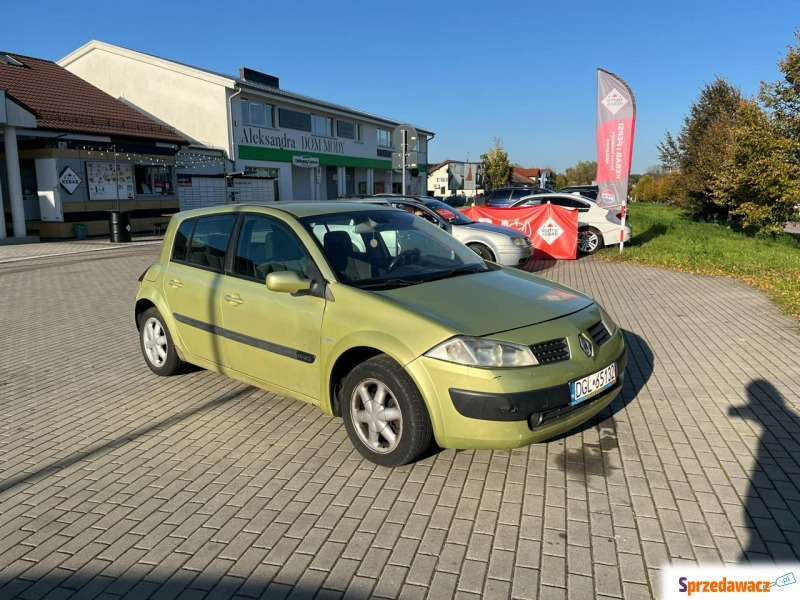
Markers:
{"x": 207, "y": 244}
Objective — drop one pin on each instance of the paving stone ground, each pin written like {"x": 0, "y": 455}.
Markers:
{"x": 117, "y": 483}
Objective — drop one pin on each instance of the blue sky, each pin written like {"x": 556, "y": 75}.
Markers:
{"x": 520, "y": 71}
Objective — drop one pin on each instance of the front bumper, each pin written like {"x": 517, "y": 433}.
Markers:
{"x": 513, "y": 256}
{"x": 536, "y": 407}
{"x": 511, "y": 408}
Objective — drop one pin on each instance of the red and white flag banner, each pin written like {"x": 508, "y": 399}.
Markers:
{"x": 553, "y": 230}
{"x": 616, "y": 119}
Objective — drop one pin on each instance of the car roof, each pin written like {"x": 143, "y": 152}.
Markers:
{"x": 555, "y": 195}
{"x": 301, "y": 208}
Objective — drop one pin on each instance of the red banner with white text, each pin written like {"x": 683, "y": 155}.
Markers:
{"x": 553, "y": 229}
{"x": 616, "y": 119}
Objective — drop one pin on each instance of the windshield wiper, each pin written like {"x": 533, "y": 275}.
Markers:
{"x": 464, "y": 270}
{"x": 389, "y": 283}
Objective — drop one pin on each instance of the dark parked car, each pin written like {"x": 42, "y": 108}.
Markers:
{"x": 589, "y": 191}
{"x": 505, "y": 196}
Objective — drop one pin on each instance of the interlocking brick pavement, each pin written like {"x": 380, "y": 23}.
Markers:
{"x": 117, "y": 483}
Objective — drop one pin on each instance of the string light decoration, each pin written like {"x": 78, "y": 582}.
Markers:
{"x": 183, "y": 160}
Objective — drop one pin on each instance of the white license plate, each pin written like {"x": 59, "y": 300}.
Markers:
{"x": 591, "y": 385}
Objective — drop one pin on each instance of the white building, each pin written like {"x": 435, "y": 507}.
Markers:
{"x": 286, "y": 146}
{"x": 455, "y": 177}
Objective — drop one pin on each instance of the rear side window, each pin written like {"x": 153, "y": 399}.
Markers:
{"x": 208, "y": 243}
{"x": 182, "y": 237}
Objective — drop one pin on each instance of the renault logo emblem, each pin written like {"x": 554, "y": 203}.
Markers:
{"x": 586, "y": 345}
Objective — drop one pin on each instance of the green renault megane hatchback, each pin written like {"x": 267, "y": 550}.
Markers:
{"x": 381, "y": 318}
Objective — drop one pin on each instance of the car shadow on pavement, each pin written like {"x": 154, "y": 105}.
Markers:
{"x": 539, "y": 264}
{"x": 772, "y": 501}
{"x": 126, "y": 437}
{"x": 589, "y": 457}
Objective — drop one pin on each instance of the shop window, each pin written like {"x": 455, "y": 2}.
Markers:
{"x": 257, "y": 113}
{"x": 292, "y": 119}
{"x": 154, "y": 179}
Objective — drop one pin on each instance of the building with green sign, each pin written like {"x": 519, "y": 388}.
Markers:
{"x": 272, "y": 144}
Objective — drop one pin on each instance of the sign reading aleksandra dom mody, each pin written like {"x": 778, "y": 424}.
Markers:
{"x": 273, "y": 146}
{"x": 257, "y": 137}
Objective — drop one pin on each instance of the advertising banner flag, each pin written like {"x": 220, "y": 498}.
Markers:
{"x": 553, "y": 230}
{"x": 616, "y": 119}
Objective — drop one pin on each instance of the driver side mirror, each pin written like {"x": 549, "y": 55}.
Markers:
{"x": 287, "y": 281}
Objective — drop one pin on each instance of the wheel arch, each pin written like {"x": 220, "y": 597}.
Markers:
{"x": 483, "y": 245}
{"x": 142, "y": 304}
{"x": 343, "y": 365}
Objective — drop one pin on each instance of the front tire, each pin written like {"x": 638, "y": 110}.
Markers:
{"x": 157, "y": 346}
{"x": 482, "y": 251}
{"x": 589, "y": 241}
{"x": 384, "y": 413}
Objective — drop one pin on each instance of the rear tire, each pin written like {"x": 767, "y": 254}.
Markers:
{"x": 384, "y": 414}
{"x": 157, "y": 346}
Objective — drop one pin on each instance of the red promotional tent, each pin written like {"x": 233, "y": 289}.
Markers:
{"x": 552, "y": 229}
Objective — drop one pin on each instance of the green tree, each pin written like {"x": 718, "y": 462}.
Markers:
{"x": 497, "y": 171}
{"x": 669, "y": 153}
{"x": 583, "y": 173}
{"x": 702, "y": 146}
{"x": 759, "y": 179}
{"x": 782, "y": 98}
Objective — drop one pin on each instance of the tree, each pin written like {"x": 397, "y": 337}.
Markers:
{"x": 701, "y": 147}
{"x": 583, "y": 173}
{"x": 782, "y": 99}
{"x": 669, "y": 153}
{"x": 759, "y": 179}
{"x": 497, "y": 171}
{"x": 559, "y": 181}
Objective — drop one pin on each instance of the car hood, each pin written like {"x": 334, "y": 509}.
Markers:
{"x": 483, "y": 304}
{"x": 497, "y": 229}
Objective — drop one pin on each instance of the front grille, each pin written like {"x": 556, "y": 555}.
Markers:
{"x": 599, "y": 333}
{"x": 551, "y": 352}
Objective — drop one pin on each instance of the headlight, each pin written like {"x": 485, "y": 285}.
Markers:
{"x": 519, "y": 241}
{"x": 480, "y": 352}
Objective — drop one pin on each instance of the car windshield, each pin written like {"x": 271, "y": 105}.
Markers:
{"x": 383, "y": 249}
{"x": 447, "y": 212}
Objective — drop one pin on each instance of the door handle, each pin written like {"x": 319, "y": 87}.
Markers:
{"x": 176, "y": 283}
{"x": 233, "y": 299}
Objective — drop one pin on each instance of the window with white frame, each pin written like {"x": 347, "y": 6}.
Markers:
{"x": 322, "y": 126}
{"x": 384, "y": 138}
{"x": 292, "y": 119}
{"x": 346, "y": 129}
{"x": 257, "y": 113}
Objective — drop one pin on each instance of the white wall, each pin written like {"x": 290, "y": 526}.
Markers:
{"x": 187, "y": 99}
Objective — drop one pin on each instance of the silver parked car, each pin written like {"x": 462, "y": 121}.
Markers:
{"x": 502, "y": 245}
